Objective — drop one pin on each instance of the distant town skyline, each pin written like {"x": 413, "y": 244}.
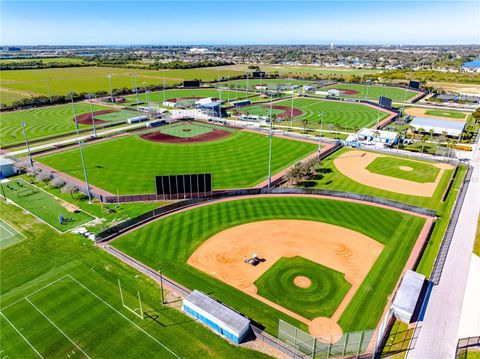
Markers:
{"x": 239, "y": 22}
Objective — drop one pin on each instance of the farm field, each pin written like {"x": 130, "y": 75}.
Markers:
{"x": 374, "y": 92}
{"x": 343, "y": 114}
{"x": 61, "y": 81}
{"x": 49, "y": 121}
{"x": 129, "y": 164}
{"x": 44, "y": 206}
{"x": 242, "y": 84}
{"x": 64, "y": 301}
{"x": 153, "y": 243}
{"x": 45, "y": 60}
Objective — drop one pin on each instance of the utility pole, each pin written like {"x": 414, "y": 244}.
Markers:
{"x": 26, "y": 144}
{"x": 48, "y": 89}
{"x": 80, "y": 145}
{"x": 270, "y": 147}
{"x": 89, "y": 96}
{"x": 111, "y": 91}
{"x": 291, "y": 111}
{"x": 246, "y": 86}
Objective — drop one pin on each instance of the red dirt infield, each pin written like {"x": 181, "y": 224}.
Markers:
{"x": 86, "y": 118}
{"x": 206, "y": 137}
{"x": 287, "y": 111}
{"x": 345, "y": 92}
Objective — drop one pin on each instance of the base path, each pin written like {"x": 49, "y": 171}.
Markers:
{"x": 344, "y": 250}
{"x": 353, "y": 164}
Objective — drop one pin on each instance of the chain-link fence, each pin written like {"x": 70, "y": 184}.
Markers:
{"x": 468, "y": 348}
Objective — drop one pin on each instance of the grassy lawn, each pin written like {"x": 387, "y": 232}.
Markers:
{"x": 186, "y": 130}
{"x": 374, "y": 92}
{"x": 344, "y": 114}
{"x": 417, "y": 172}
{"x": 273, "y": 83}
{"x": 46, "y": 121}
{"x": 130, "y": 163}
{"x": 320, "y": 299}
{"x": 331, "y": 178}
{"x": 8, "y": 235}
{"x": 84, "y": 303}
{"x": 44, "y": 205}
{"x": 170, "y": 241}
{"x": 119, "y": 116}
{"x": 444, "y": 113}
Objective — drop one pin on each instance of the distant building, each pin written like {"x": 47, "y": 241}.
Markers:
{"x": 387, "y": 137}
{"x": 438, "y": 125}
{"x": 7, "y": 168}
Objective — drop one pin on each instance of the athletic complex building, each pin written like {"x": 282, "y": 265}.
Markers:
{"x": 438, "y": 126}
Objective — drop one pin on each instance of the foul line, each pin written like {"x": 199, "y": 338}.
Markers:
{"x": 6, "y": 229}
{"x": 66, "y": 336}
{"x": 19, "y": 333}
{"x": 169, "y": 350}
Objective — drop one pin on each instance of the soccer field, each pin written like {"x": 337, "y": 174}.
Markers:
{"x": 372, "y": 92}
{"x": 172, "y": 240}
{"x": 343, "y": 114}
{"x": 129, "y": 164}
{"x": 47, "y": 121}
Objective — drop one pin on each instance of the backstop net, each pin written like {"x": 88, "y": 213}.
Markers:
{"x": 348, "y": 345}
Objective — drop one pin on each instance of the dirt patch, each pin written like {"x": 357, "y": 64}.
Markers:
{"x": 344, "y": 250}
{"x": 302, "y": 281}
{"x": 406, "y": 168}
{"x": 216, "y": 134}
{"x": 353, "y": 164}
{"x": 68, "y": 206}
{"x": 287, "y": 111}
{"x": 86, "y": 118}
{"x": 421, "y": 112}
{"x": 344, "y": 91}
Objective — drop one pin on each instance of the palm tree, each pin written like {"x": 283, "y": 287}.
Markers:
{"x": 304, "y": 122}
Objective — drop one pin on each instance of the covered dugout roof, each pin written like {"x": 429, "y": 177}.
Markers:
{"x": 438, "y": 125}
{"x": 407, "y": 295}
{"x": 217, "y": 310}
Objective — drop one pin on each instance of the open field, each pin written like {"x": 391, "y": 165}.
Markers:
{"x": 372, "y": 92}
{"x": 172, "y": 240}
{"x": 46, "y": 60}
{"x": 129, "y": 164}
{"x": 242, "y": 84}
{"x": 343, "y": 114}
{"x": 64, "y": 301}
{"x": 91, "y": 79}
{"x": 44, "y": 206}
{"x": 9, "y": 235}
{"x": 49, "y": 121}
{"x": 462, "y": 88}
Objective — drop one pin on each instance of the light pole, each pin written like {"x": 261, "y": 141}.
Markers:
{"x": 110, "y": 84}
{"x": 75, "y": 118}
{"x": 163, "y": 90}
{"x": 48, "y": 89}
{"x": 321, "y": 123}
{"x": 80, "y": 145}
{"x": 220, "y": 106}
{"x": 246, "y": 85}
{"x": 366, "y": 94}
{"x": 291, "y": 110}
{"x": 161, "y": 284}
{"x": 145, "y": 90}
{"x": 26, "y": 144}
{"x": 270, "y": 147}
{"x": 136, "y": 95}
{"x": 89, "y": 96}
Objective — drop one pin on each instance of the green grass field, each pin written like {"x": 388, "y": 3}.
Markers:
{"x": 60, "y": 298}
{"x": 320, "y": 299}
{"x": 242, "y": 84}
{"x": 49, "y": 121}
{"x": 186, "y": 130}
{"x": 344, "y": 114}
{"x": 443, "y": 113}
{"x": 44, "y": 205}
{"x": 170, "y": 241}
{"x": 374, "y": 92}
{"x": 130, "y": 163}
{"x": 390, "y": 166}
{"x": 8, "y": 235}
{"x": 61, "y": 81}
{"x": 46, "y": 60}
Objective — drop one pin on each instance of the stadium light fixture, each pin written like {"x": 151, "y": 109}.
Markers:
{"x": 111, "y": 91}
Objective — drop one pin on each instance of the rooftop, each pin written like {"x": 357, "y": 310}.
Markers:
{"x": 438, "y": 122}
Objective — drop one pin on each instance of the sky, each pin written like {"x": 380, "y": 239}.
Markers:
{"x": 239, "y": 22}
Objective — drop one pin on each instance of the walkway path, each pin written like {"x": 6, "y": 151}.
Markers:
{"x": 439, "y": 330}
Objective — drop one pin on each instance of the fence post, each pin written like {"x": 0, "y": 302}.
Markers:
{"x": 345, "y": 345}
{"x": 360, "y": 342}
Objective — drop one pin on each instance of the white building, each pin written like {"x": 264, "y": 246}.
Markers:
{"x": 6, "y": 167}
{"x": 438, "y": 125}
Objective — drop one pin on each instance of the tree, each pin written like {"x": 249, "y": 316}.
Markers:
{"x": 44, "y": 177}
{"x": 21, "y": 167}
{"x": 304, "y": 122}
{"x": 57, "y": 183}
{"x": 70, "y": 189}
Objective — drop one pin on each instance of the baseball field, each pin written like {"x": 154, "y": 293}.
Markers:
{"x": 372, "y": 92}
{"x": 343, "y": 114}
{"x": 242, "y": 84}
{"x": 49, "y": 121}
{"x": 129, "y": 164}
{"x": 302, "y": 243}
{"x": 60, "y": 298}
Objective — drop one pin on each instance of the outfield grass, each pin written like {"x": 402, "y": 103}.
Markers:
{"x": 170, "y": 241}
{"x": 186, "y": 130}
{"x": 331, "y": 178}
{"x": 44, "y": 205}
{"x": 61, "y": 81}
{"x": 129, "y": 164}
{"x": 242, "y": 84}
{"x": 390, "y": 166}
{"x": 374, "y": 92}
{"x": 343, "y": 114}
{"x": 46, "y": 121}
{"x": 444, "y": 113}
{"x": 320, "y": 299}
{"x": 88, "y": 308}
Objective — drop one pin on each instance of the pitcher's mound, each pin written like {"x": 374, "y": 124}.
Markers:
{"x": 302, "y": 281}
{"x": 406, "y": 168}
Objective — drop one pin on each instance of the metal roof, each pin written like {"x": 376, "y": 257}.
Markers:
{"x": 438, "y": 122}
{"x": 5, "y": 161}
{"x": 407, "y": 295}
{"x": 224, "y": 314}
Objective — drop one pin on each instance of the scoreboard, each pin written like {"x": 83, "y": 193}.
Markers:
{"x": 385, "y": 102}
{"x": 414, "y": 85}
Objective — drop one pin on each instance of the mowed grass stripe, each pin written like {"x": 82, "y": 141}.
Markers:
{"x": 417, "y": 171}
{"x": 398, "y": 231}
{"x": 372, "y": 92}
{"x": 131, "y": 163}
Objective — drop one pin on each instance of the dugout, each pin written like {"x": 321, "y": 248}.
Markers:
{"x": 407, "y": 296}
{"x": 217, "y": 316}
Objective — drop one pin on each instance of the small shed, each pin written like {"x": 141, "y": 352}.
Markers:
{"x": 217, "y": 316}
{"x": 7, "y": 168}
{"x": 407, "y": 296}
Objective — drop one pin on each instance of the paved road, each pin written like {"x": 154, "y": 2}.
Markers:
{"x": 470, "y": 319}
{"x": 439, "y": 330}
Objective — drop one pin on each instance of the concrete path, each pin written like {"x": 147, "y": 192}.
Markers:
{"x": 439, "y": 330}
{"x": 470, "y": 318}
